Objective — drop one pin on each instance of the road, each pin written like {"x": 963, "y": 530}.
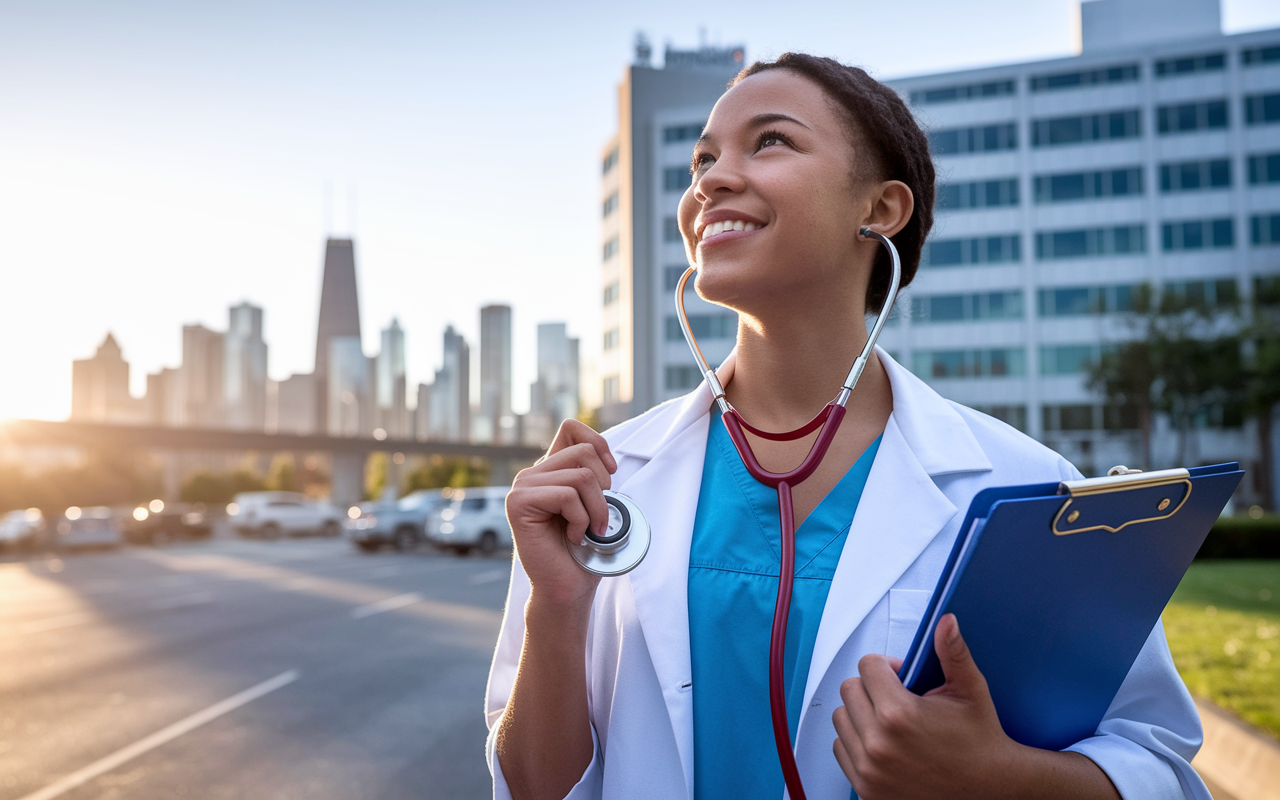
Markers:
{"x": 245, "y": 669}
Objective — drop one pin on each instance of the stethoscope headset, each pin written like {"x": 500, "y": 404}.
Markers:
{"x": 626, "y": 539}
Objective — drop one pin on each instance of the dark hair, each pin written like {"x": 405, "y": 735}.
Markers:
{"x": 880, "y": 123}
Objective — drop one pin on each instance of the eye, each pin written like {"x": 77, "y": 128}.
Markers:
{"x": 771, "y": 139}
{"x": 700, "y": 162}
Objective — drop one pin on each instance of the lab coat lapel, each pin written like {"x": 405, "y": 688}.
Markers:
{"x": 901, "y": 511}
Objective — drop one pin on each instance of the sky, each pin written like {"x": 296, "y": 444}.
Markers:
{"x": 160, "y": 162}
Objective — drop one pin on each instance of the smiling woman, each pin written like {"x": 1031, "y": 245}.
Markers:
{"x": 662, "y": 682}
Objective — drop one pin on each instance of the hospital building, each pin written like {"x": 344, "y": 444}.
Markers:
{"x": 1064, "y": 185}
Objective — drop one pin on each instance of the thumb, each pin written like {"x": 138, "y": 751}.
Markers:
{"x": 958, "y": 667}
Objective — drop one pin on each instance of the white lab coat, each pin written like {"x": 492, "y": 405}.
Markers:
{"x": 934, "y": 457}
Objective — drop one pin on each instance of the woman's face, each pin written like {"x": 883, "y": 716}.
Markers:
{"x": 773, "y": 210}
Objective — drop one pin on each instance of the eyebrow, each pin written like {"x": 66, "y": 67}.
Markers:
{"x": 762, "y": 119}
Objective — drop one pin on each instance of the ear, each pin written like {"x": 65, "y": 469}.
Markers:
{"x": 891, "y": 208}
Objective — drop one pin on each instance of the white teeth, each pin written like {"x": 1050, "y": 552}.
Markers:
{"x": 717, "y": 228}
{"x": 737, "y": 226}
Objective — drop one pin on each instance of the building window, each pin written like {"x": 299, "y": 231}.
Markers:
{"x": 995, "y": 363}
{"x": 612, "y": 338}
{"x": 1067, "y": 359}
{"x": 966, "y": 307}
{"x": 1067, "y": 418}
{"x": 1069, "y": 186}
{"x": 1075, "y": 301}
{"x": 1265, "y": 229}
{"x": 682, "y": 133}
{"x": 1266, "y": 290}
{"x": 1203, "y": 294}
{"x": 1197, "y": 234}
{"x": 612, "y": 292}
{"x": 1195, "y": 176}
{"x": 611, "y": 389}
{"x": 968, "y": 91}
{"x": 671, "y": 230}
{"x": 610, "y": 161}
{"x": 704, "y": 326}
{"x": 1262, "y": 109}
{"x": 682, "y": 378}
{"x": 610, "y": 205}
{"x": 980, "y": 250}
{"x": 1090, "y": 242}
{"x": 977, "y": 194}
{"x": 978, "y": 139}
{"x": 671, "y": 277}
{"x": 1257, "y": 56}
{"x": 1123, "y": 73}
{"x": 1058, "y": 131}
{"x": 611, "y": 248}
{"x": 1015, "y": 416}
{"x": 1206, "y": 115}
{"x": 1186, "y": 65}
{"x": 676, "y": 179}
{"x": 1264, "y": 168}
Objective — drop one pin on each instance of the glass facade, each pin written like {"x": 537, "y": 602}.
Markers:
{"x": 1091, "y": 242}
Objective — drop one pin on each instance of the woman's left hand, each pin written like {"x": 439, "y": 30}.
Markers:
{"x": 948, "y": 743}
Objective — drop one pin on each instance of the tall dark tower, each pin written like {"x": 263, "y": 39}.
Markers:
{"x": 339, "y": 302}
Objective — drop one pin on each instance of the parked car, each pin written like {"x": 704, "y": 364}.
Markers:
{"x": 472, "y": 519}
{"x": 21, "y": 528}
{"x": 97, "y": 526}
{"x": 399, "y": 523}
{"x": 271, "y": 515}
{"x": 157, "y": 521}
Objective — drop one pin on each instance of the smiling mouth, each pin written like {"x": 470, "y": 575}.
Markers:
{"x": 728, "y": 226}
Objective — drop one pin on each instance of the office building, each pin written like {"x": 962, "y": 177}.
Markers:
{"x": 244, "y": 379}
{"x": 296, "y": 406}
{"x": 422, "y": 413}
{"x": 494, "y": 422}
{"x": 164, "y": 397}
{"x": 1152, "y": 158}
{"x": 339, "y": 314}
{"x": 201, "y": 377}
{"x": 449, "y": 415}
{"x": 348, "y": 388}
{"x": 100, "y": 388}
{"x": 390, "y": 386}
{"x": 553, "y": 397}
{"x": 644, "y": 171}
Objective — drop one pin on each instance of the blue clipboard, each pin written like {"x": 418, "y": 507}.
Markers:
{"x": 1057, "y": 586}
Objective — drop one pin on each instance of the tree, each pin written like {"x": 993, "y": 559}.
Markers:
{"x": 1262, "y": 377}
{"x": 282, "y": 474}
{"x": 436, "y": 472}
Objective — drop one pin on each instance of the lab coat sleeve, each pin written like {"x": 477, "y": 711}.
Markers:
{"x": 1151, "y": 732}
{"x": 502, "y": 677}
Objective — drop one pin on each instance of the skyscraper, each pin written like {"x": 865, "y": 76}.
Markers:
{"x": 339, "y": 312}
{"x": 450, "y": 413}
{"x": 390, "y": 387}
{"x": 645, "y": 169}
{"x": 553, "y": 397}
{"x": 349, "y": 393}
{"x": 244, "y": 379}
{"x": 494, "y": 423}
{"x": 100, "y": 387}
{"x": 201, "y": 377}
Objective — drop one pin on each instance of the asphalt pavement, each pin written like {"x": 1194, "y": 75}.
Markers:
{"x": 246, "y": 669}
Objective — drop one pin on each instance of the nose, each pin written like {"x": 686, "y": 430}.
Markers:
{"x": 724, "y": 176}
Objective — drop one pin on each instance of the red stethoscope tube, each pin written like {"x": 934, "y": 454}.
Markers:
{"x": 827, "y": 422}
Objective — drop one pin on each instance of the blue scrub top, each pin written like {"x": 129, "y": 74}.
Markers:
{"x": 733, "y": 586}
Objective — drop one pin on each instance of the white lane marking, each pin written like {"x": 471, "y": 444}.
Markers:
{"x": 489, "y": 577}
{"x": 54, "y": 623}
{"x": 382, "y": 606}
{"x": 182, "y": 601}
{"x": 160, "y": 737}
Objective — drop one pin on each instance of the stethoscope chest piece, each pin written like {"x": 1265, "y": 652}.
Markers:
{"x": 622, "y": 546}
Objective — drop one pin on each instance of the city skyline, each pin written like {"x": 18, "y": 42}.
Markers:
{"x": 162, "y": 182}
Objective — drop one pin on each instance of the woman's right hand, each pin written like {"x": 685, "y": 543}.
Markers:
{"x": 555, "y": 500}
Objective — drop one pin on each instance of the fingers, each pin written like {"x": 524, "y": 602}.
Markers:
{"x": 584, "y": 481}
{"x": 550, "y": 501}
{"x": 881, "y": 681}
{"x": 958, "y": 667}
{"x": 572, "y": 432}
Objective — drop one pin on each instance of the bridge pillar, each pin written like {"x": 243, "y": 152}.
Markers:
{"x": 347, "y": 486}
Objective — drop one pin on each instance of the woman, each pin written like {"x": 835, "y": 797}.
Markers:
{"x": 654, "y": 684}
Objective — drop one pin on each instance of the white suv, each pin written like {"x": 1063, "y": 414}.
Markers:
{"x": 473, "y": 518}
{"x": 275, "y": 514}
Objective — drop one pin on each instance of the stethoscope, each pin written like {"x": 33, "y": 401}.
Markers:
{"x": 623, "y": 544}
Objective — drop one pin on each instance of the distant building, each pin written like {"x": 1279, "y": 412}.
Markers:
{"x": 201, "y": 377}
{"x": 449, "y": 416}
{"x": 339, "y": 314}
{"x": 553, "y": 397}
{"x": 164, "y": 400}
{"x": 391, "y": 409}
{"x": 100, "y": 388}
{"x": 349, "y": 391}
{"x": 494, "y": 422}
{"x": 422, "y": 413}
{"x": 644, "y": 171}
{"x": 244, "y": 379}
{"x": 296, "y": 409}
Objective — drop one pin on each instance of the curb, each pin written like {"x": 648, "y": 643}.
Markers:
{"x": 1237, "y": 762}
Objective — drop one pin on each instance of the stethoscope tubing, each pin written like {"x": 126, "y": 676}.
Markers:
{"x": 828, "y": 423}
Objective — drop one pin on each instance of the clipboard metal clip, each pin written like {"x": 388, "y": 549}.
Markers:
{"x": 1087, "y": 508}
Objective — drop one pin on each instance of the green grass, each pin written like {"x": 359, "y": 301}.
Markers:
{"x": 1223, "y": 625}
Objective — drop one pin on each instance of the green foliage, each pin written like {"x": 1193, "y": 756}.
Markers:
{"x": 217, "y": 488}
{"x": 436, "y": 472}
{"x": 1243, "y": 537}
{"x": 282, "y": 474}
{"x": 103, "y": 479}
{"x": 1223, "y": 626}
{"x": 590, "y": 417}
{"x": 376, "y": 470}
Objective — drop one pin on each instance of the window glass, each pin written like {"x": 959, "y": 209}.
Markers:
{"x": 1264, "y": 168}
{"x": 1262, "y": 109}
{"x": 1257, "y": 56}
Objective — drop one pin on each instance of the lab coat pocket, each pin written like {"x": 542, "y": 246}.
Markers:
{"x": 906, "y": 609}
